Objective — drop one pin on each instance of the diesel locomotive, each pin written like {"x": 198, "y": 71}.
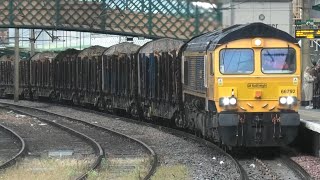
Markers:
{"x": 244, "y": 83}
{"x": 239, "y": 86}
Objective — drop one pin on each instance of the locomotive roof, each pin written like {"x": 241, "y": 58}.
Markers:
{"x": 209, "y": 41}
{"x": 92, "y": 51}
{"x": 43, "y": 56}
{"x": 161, "y": 45}
{"x": 122, "y": 48}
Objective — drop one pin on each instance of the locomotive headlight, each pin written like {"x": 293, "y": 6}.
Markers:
{"x": 226, "y": 101}
{"x": 290, "y": 100}
{"x": 283, "y": 100}
{"x": 233, "y": 101}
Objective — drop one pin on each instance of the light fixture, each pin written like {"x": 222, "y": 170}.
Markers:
{"x": 226, "y": 101}
{"x": 290, "y": 100}
{"x": 258, "y": 42}
{"x": 233, "y": 101}
{"x": 283, "y": 100}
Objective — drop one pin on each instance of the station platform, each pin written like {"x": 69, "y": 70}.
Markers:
{"x": 309, "y": 132}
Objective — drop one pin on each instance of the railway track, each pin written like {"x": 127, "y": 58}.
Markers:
{"x": 264, "y": 168}
{"x": 12, "y": 147}
{"x": 274, "y": 165}
{"x": 296, "y": 168}
{"x": 96, "y": 146}
{"x": 240, "y": 173}
{"x": 110, "y": 144}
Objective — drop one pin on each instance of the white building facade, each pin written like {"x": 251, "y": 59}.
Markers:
{"x": 277, "y": 13}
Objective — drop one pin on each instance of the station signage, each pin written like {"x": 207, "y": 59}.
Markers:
{"x": 307, "y": 33}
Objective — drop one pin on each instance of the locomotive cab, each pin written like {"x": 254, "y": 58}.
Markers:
{"x": 257, "y": 92}
{"x": 241, "y": 85}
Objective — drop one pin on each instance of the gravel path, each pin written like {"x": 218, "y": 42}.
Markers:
{"x": 201, "y": 161}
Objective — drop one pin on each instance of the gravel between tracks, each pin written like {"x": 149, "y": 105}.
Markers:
{"x": 9, "y": 146}
{"x": 41, "y": 138}
{"x": 201, "y": 162}
{"x": 310, "y": 163}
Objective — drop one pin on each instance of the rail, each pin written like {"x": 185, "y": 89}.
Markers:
{"x": 21, "y": 152}
{"x": 154, "y": 161}
{"x": 96, "y": 146}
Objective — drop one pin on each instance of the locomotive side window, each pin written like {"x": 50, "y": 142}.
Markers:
{"x": 236, "y": 61}
{"x": 278, "y": 61}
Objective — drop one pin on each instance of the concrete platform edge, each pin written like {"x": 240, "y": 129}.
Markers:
{"x": 310, "y": 125}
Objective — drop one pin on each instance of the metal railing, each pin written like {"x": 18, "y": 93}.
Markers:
{"x": 180, "y": 19}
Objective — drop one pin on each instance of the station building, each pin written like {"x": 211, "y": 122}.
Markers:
{"x": 277, "y": 13}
